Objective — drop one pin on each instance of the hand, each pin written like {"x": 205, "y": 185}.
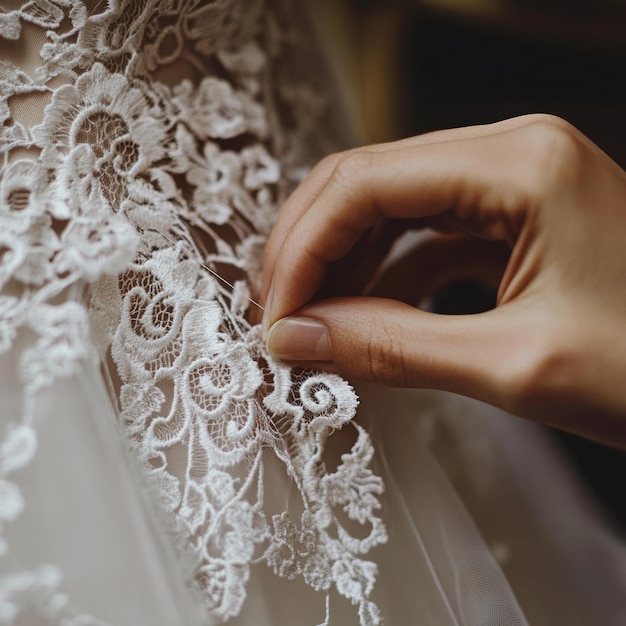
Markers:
{"x": 553, "y": 349}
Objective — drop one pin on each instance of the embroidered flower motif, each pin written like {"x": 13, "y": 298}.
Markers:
{"x": 217, "y": 111}
{"x": 94, "y": 247}
{"x": 28, "y": 258}
{"x": 260, "y": 168}
{"x": 140, "y": 402}
{"x": 295, "y": 552}
{"x": 222, "y": 25}
{"x": 223, "y": 587}
{"x": 355, "y": 489}
{"x": 62, "y": 344}
{"x": 246, "y": 64}
{"x": 154, "y": 302}
{"x": 214, "y": 383}
{"x": 10, "y": 25}
{"x": 221, "y": 390}
{"x": 216, "y": 183}
{"x": 24, "y": 198}
{"x": 242, "y": 516}
{"x": 114, "y": 119}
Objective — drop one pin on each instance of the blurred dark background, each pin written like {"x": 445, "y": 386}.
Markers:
{"x": 414, "y": 66}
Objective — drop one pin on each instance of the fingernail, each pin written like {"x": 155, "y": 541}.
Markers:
{"x": 265, "y": 322}
{"x": 299, "y": 339}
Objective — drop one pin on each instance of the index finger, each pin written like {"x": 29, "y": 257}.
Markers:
{"x": 476, "y": 179}
{"x": 309, "y": 190}
{"x": 488, "y": 184}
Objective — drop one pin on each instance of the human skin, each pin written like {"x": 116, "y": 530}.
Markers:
{"x": 531, "y": 202}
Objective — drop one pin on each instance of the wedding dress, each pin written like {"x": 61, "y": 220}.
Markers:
{"x": 156, "y": 465}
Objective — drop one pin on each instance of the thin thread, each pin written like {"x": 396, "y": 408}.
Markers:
{"x": 214, "y": 273}
{"x": 95, "y": 8}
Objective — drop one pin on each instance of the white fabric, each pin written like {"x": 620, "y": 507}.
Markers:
{"x": 146, "y": 147}
{"x": 458, "y": 466}
{"x": 80, "y": 547}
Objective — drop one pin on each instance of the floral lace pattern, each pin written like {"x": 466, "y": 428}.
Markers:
{"x": 171, "y": 132}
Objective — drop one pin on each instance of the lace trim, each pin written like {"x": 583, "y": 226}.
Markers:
{"x": 171, "y": 133}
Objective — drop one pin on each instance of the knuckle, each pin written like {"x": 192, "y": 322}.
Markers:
{"x": 329, "y": 162}
{"x": 351, "y": 169}
{"x": 556, "y": 152}
{"x": 324, "y": 169}
{"x": 540, "y": 372}
{"x": 547, "y": 120}
{"x": 386, "y": 359}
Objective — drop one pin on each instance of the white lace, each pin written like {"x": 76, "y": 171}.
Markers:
{"x": 172, "y": 131}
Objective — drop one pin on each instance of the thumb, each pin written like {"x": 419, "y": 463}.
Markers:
{"x": 484, "y": 356}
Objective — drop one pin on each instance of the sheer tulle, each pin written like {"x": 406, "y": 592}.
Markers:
{"x": 87, "y": 548}
{"x": 492, "y": 500}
